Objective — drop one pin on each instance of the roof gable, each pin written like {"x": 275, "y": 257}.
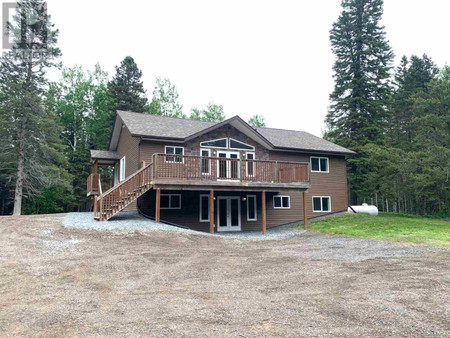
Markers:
{"x": 181, "y": 130}
{"x": 240, "y": 125}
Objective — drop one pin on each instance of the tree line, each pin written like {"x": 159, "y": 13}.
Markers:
{"x": 47, "y": 129}
{"x": 396, "y": 119}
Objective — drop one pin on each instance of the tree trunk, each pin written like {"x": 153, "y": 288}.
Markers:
{"x": 2, "y": 202}
{"x": 20, "y": 178}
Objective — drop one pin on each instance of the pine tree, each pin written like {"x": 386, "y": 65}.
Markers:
{"x": 358, "y": 109}
{"x": 30, "y": 129}
{"x": 127, "y": 88}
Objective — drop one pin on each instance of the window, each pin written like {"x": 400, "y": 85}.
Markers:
{"x": 204, "y": 208}
{"x": 319, "y": 164}
{"x": 219, "y": 143}
{"x": 321, "y": 204}
{"x": 250, "y": 164}
{"x": 206, "y": 163}
{"x": 235, "y": 144}
{"x": 172, "y": 150}
{"x": 281, "y": 202}
{"x": 122, "y": 169}
{"x": 251, "y": 208}
{"x": 170, "y": 201}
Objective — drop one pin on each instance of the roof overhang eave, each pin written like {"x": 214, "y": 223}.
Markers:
{"x": 314, "y": 151}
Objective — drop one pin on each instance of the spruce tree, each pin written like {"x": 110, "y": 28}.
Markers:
{"x": 126, "y": 87}
{"x": 411, "y": 77}
{"x": 358, "y": 109}
{"x": 361, "y": 72}
{"x": 28, "y": 130}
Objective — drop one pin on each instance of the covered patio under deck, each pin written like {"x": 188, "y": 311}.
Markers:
{"x": 224, "y": 209}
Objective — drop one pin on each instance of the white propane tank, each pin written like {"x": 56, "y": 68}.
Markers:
{"x": 363, "y": 209}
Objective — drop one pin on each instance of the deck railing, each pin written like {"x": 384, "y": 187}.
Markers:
{"x": 187, "y": 167}
{"x": 93, "y": 184}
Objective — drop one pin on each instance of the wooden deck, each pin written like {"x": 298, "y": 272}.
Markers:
{"x": 183, "y": 172}
{"x": 195, "y": 172}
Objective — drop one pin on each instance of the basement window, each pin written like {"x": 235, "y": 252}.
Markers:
{"x": 321, "y": 203}
{"x": 170, "y": 201}
{"x": 319, "y": 164}
{"x": 281, "y": 202}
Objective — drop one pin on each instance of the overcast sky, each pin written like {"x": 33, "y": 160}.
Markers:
{"x": 254, "y": 57}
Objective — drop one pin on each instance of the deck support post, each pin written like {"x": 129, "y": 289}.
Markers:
{"x": 211, "y": 211}
{"x": 95, "y": 206}
{"x": 158, "y": 205}
{"x": 305, "y": 214}
{"x": 264, "y": 218}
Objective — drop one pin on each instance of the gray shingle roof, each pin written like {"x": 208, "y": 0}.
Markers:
{"x": 283, "y": 138}
{"x": 161, "y": 126}
{"x": 104, "y": 155}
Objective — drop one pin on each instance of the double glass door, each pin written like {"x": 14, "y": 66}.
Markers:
{"x": 229, "y": 213}
{"x": 228, "y": 165}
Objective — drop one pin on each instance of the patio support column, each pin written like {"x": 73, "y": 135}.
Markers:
{"x": 305, "y": 215}
{"x": 158, "y": 205}
{"x": 94, "y": 167}
{"x": 264, "y": 219}
{"x": 211, "y": 211}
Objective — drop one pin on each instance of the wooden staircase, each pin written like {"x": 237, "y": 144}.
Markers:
{"x": 123, "y": 194}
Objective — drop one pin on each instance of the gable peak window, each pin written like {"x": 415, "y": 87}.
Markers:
{"x": 219, "y": 143}
{"x": 320, "y": 164}
{"x": 227, "y": 143}
{"x": 235, "y": 144}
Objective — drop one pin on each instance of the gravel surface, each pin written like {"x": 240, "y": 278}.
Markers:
{"x": 125, "y": 222}
{"x": 57, "y": 281}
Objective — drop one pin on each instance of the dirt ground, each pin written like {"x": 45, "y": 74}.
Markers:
{"x": 58, "y": 282}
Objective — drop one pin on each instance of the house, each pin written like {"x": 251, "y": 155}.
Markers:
{"x": 226, "y": 176}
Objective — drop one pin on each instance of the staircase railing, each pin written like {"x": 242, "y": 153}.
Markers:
{"x": 119, "y": 196}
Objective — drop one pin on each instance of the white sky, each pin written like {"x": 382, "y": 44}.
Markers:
{"x": 266, "y": 57}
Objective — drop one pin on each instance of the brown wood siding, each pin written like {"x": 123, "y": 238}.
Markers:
{"x": 129, "y": 146}
{"x": 148, "y": 148}
{"x": 333, "y": 183}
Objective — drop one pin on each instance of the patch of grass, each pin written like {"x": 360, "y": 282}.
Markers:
{"x": 387, "y": 226}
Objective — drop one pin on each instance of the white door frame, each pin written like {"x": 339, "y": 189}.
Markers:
{"x": 228, "y": 167}
{"x": 229, "y": 227}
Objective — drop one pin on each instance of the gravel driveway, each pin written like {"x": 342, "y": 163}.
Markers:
{"x": 58, "y": 281}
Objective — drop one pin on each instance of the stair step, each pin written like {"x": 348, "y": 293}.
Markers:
{"x": 126, "y": 198}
